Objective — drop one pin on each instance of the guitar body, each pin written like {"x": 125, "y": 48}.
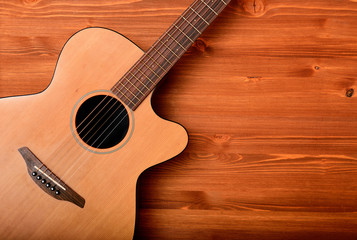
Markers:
{"x": 90, "y": 63}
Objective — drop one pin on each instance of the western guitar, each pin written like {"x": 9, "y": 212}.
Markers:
{"x": 71, "y": 155}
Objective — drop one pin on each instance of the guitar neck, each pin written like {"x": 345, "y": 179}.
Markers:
{"x": 142, "y": 78}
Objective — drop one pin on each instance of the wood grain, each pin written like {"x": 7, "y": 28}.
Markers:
{"x": 106, "y": 179}
{"x": 272, "y": 150}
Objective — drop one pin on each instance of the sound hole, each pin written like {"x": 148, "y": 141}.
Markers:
{"x": 102, "y": 122}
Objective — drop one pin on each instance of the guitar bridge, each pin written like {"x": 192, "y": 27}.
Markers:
{"x": 48, "y": 181}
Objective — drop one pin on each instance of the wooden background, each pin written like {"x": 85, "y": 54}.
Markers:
{"x": 273, "y": 141}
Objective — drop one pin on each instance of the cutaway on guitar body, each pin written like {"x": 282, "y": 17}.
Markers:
{"x": 50, "y": 125}
{"x": 95, "y": 128}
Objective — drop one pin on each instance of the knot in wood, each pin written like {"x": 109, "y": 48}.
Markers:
{"x": 221, "y": 138}
{"x": 200, "y": 45}
{"x": 349, "y": 92}
{"x": 254, "y": 7}
{"x": 31, "y": 2}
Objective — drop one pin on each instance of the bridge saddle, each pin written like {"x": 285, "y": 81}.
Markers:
{"x": 48, "y": 181}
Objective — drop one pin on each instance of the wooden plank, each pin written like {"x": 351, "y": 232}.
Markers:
{"x": 272, "y": 151}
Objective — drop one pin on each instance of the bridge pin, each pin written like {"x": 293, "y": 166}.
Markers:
{"x": 48, "y": 185}
{"x": 38, "y": 177}
{"x": 57, "y": 192}
{"x": 53, "y": 188}
{"x": 34, "y": 173}
{"x": 43, "y": 181}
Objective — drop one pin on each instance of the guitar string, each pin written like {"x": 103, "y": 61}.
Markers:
{"x": 106, "y": 129}
{"x": 144, "y": 70}
{"x": 135, "y": 83}
{"x": 199, "y": 2}
{"x": 145, "y": 63}
{"x": 183, "y": 23}
{"x": 169, "y": 49}
{"x": 126, "y": 90}
{"x": 161, "y": 40}
{"x": 121, "y": 120}
{"x": 165, "y": 49}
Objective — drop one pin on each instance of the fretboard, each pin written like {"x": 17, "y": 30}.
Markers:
{"x": 142, "y": 78}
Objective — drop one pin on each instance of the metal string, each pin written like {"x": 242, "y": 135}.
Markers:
{"x": 148, "y": 68}
{"x": 168, "y": 47}
{"x": 123, "y": 109}
{"x": 174, "y": 27}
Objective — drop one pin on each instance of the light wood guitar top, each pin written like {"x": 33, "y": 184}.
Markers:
{"x": 262, "y": 93}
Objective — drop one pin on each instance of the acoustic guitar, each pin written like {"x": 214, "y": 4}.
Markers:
{"x": 71, "y": 155}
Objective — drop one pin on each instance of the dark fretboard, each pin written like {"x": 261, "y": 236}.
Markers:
{"x": 142, "y": 78}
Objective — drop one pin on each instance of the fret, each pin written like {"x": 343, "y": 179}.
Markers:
{"x": 129, "y": 91}
{"x": 135, "y": 86}
{"x": 138, "y": 80}
{"x": 145, "y": 75}
{"x": 151, "y": 71}
{"x": 210, "y": 11}
{"x": 162, "y": 56}
{"x": 148, "y": 67}
{"x": 122, "y": 94}
{"x": 166, "y": 51}
{"x": 209, "y": 7}
{"x": 177, "y": 42}
{"x": 224, "y": 2}
{"x": 190, "y": 32}
{"x": 220, "y": 7}
{"x": 169, "y": 48}
{"x": 184, "y": 34}
{"x": 191, "y": 25}
{"x": 158, "y": 64}
{"x": 199, "y": 15}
